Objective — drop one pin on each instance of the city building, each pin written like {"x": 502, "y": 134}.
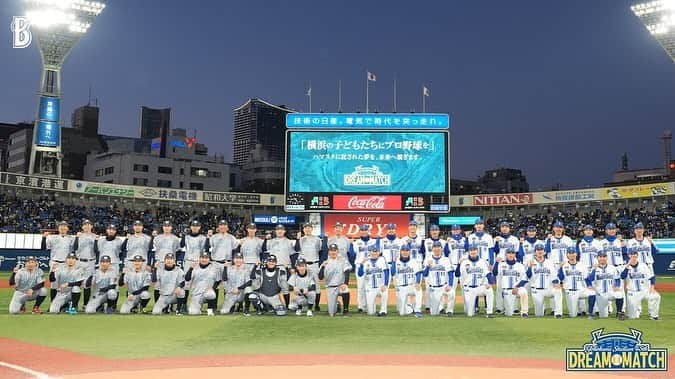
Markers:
{"x": 155, "y": 122}
{"x": 261, "y": 174}
{"x": 85, "y": 118}
{"x": 6, "y": 130}
{"x": 503, "y": 180}
{"x": 464, "y": 187}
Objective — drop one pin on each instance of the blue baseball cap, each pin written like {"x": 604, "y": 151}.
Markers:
{"x": 539, "y": 246}
{"x": 588, "y": 226}
{"x": 413, "y": 223}
{"x": 639, "y": 225}
{"x": 391, "y": 226}
{"x": 602, "y": 253}
{"x": 611, "y": 225}
{"x": 510, "y": 250}
{"x": 372, "y": 248}
{"x": 473, "y": 246}
{"x": 434, "y": 227}
{"x": 632, "y": 251}
{"x": 531, "y": 228}
{"x": 479, "y": 221}
{"x": 571, "y": 249}
{"x": 504, "y": 223}
{"x": 558, "y": 224}
{"x": 437, "y": 244}
{"x": 455, "y": 227}
{"x": 405, "y": 247}
{"x": 364, "y": 227}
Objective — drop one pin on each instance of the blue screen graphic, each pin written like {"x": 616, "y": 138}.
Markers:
{"x": 49, "y": 109}
{"x": 367, "y": 162}
{"x": 48, "y": 134}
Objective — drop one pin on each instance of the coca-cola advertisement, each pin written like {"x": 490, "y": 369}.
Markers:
{"x": 367, "y": 203}
{"x": 377, "y": 222}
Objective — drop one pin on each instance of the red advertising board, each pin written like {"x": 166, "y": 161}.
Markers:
{"x": 377, "y": 222}
{"x": 367, "y": 203}
{"x": 506, "y": 199}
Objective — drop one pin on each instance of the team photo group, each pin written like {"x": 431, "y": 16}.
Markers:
{"x": 496, "y": 275}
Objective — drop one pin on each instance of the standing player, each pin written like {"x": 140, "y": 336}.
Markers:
{"x": 358, "y": 251}
{"x": 204, "y": 279}
{"x": 573, "y": 275}
{"x": 104, "y": 283}
{"x": 284, "y": 251}
{"x": 193, "y": 244}
{"x": 483, "y": 241}
{"x": 67, "y": 280}
{"x": 439, "y": 277}
{"x": 29, "y": 285}
{"x": 614, "y": 246}
{"x": 526, "y": 252}
{"x": 270, "y": 284}
{"x": 557, "y": 244}
{"x": 415, "y": 242}
{"x": 137, "y": 243}
{"x": 164, "y": 244}
{"x": 170, "y": 282}
{"x": 137, "y": 282}
{"x": 111, "y": 246}
{"x": 303, "y": 284}
{"x": 644, "y": 246}
{"x": 84, "y": 248}
{"x": 309, "y": 247}
{"x": 375, "y": 274}
{"x": 504, "y": 242}
{"x": 251, "y": 247}
{"x": 407, "y": 274}
{"x": 477, "y": 280}
{"x": 605, "y": 280}
{"x": 340, "y": 240}
{"x": 335, "y": 274}
{"x": 236, "y": 279}
{"x": 59, "y": 246}
{"x": 391, "y": 244}
{"x": 640, "y": 281}
{"x": 544, "y": 283}
{"x": 457, "y": 245}
{"x": 513, "y": 277}
{"x": 588, "y": 248}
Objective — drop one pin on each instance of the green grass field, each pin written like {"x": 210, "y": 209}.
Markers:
{"x": 134, "y": 336}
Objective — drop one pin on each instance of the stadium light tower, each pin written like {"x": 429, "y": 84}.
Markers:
{"x": 57, "y": 26}
{"x": 659, "y": 18}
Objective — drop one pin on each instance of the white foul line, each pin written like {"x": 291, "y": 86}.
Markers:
{"x": 36, "y": 374}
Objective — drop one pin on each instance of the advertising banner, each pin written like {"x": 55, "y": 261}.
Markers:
{"x": 103, "y": 189}
{"x": 377, "y": 222}
{"x": 644, "y": 190}
{"x": 571, "y": 196}
{"x": 49, "y": 109}
{"x": 48, "y": 134}
{"x": 235, "y": 198}
{"x": 274, "y": 219}
{"x": 35, "y": 182}
{"x": 368, "y": 121}
{"x": 506, "y": 199}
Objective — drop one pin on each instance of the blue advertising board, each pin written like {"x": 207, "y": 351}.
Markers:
{"x": 49, "y": 109}
{"x": 459, "y": 220}
{"x": 272, "y": 219}
{"x": 368, "y": 120}
{"x": 367, "y": 162}
{"x": 48, "y": 134}
{"x": 10, "y": 258}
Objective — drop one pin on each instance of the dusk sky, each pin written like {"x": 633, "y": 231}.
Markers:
{"x": 559, "y": 89}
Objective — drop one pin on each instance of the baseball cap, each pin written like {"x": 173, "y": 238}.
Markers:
{"x": 504, "y": 223}
{"x": 455, "y": 227}
{"x": 332, "y": 246}
{"x": 558, "y": 224}
{"x": 62, "y": 223}
{"x": 280, "y": 227}
{"x": 588, "y": 226}
{"x": 195, "y": 223}
{"x": 539, "y": 246}
{"x": 436, "y": 244}
{"x": 610, "y": 225}
{"x": 413, "y": 223}
{"x": 251, "y": 226}
{"x": 531, "y": 228}
{"x": 602, "y": 253}
{"x": 510, "y": 250}
{"x": 87, "y": 221}
{"x": 391, "y": 226}
{"x": 307, "y": 224}
{"x": 71, "y": 255}
{"x": 632, "y": 251}
{"x": 272, "y": 258}
{"x": 169, "y": 255}
{"x": 479, "y": 221}
{"x": 364, "y": 227}
{"x": 301, "y": 262}
{"x": 639, "y": 225}
{"x": 166, "y": 223}
{"x": 473, "y": 246}
{"x": 338, "y": 224}
{"x": 405, "y": 247}
{"x": 434, "y": 227}
{"x": 30, "y": 258}
{"x": 138, "y": 258}
{"x": 112, "y": 226}
{"x": 372, "y": 248}
{"x": 571, "y": 249}
{"x": 105, "y": 258}
{"x": 138, "y": 222}
{"x": 204, "y": 254}
{"x": 222, "y": 222}
{"x": 238, "y": 255}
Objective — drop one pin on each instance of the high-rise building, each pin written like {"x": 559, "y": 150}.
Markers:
{"x": 85, "y": 118}
{"x": 155, "y": 122}
{"x": 257, "y": 122}
{"x": 504, "y": 180}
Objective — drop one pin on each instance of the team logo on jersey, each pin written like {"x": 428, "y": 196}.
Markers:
{"x": 617, "y": 352}
{"x": 367, "y": 177}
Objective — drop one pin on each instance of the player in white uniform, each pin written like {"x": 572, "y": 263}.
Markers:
{"x": 415, "y": 242}
{"x": 544, "y": 283}
{"x": 358, "y": 251}
{"x": 526, "y": 252}
{"x": 477, "y": 280}
{"x": 644, "y": 246}
{"x": 587, "y": 249}
{"x": 485, "y": 245}
{"x": 513, "y": 277}
{"x": 557, "y": 244}
{"x": 504, "y": 242}
{"x": 573, "y": 275}
{"x": 640, "y": 281}
{"x": 391, "y": 244}
{"x": 458, "y": 247}
{"x": 375, "y": 273}
{"x": 439, "y": 277}
{"x": 615, "y": 248}
{"x": 426, "y": 248}
{"x": 606, "y": 282}
{"x": 407, "y": 274}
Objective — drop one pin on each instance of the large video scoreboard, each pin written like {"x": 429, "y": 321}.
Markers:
{"x": 367, "y": 162}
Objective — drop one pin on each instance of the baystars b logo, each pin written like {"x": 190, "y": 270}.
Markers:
{"x": 20, "y": 28}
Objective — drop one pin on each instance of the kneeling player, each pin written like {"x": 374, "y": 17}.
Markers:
{"x": 375, "y": 274}
{"x": 640, "y": 281}
{"x": 236, "y": 279}
{"x": 204, "y": 279}
{"x": 29, "y": 283}
{"x": 138, "y": 283}
{"x": 513, "y": 279}
{"x": 303, "y": 283}
{"x": 544, "y": 283}
{"x": 335, "y": 273}
{"x": 170, "y": 281}
{"x": 270, "y": 287}
{"x": 605, "y": 280}
{"x": 572, "y": 275}
{"x": 104, "y": 285}
{"x": 439, "y": 277}
{"x": 67, "y": 280}
{"x": 407, "y": 274}
{"x": 477, "y": 280}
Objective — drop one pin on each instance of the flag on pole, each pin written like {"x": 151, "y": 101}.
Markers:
{"x": 425, "y": 91}
{"x": 371, "y": 77}
{"x": 309, "y": 91}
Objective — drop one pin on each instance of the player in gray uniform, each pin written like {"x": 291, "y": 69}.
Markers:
{"x": 67, "y": 280}
{"x": 135, "y": 244}
{"x": 283, "y": 249}
{"x": 163, "y": 244}
{"x": 59, "y": 246}
{"x": 138, "y": 284}
{"x": 222, "y": 245}
{"x": 170, "y": 281}
{"x": 236, "y": 279}
{"x": 84, "y": 248}
{"x": 272, "y": 283}
{"x": 29, "y": 285}
{"x": 104, "y": 283}
{"x": 340, "y": 240}
{"x": 251, "y": 249}
{"x": 111, "y": 246}
{"x": 310, "y": 248}
{"x": 204, "y": 280}
{"x": 304, "y": 285}
{"x": 335, "y": 274}
{"x": 192, "y": 245}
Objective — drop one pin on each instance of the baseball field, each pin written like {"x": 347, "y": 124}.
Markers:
{"x": 107, "y": 346}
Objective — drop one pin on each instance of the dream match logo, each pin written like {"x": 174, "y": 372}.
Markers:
{"x": 617, "y": 352}
{"x": 367, "y": 176}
